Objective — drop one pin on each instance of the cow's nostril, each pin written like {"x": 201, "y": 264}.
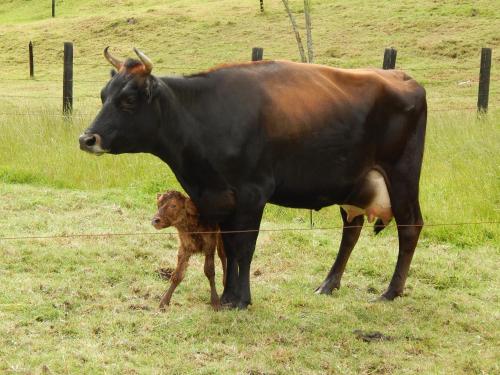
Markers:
{"x": 90, "y": 141}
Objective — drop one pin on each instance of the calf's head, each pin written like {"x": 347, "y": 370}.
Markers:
{"x": 130, "y": 115}
{"x": 173, "y": 209}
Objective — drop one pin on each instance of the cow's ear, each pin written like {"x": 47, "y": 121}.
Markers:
{"x": 190, "y": 207}
{"x": 112, "y": 72}
{"x": 150, "y": 86}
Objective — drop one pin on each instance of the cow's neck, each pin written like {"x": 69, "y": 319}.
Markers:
{"x": 179, "y": 144}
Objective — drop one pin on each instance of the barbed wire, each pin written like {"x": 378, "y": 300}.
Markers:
{"x": 425, "y": 82}
{"x": 296, "y": 229}
{"x": 44, "y": 114}
{"x": 91, "y": 114}
{"x": 429, "y": 96}
{"x": 49, "y": 97}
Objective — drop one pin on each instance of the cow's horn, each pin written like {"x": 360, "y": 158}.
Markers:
{"x": 113, "y": 61}
{"x": 148, "y": 65}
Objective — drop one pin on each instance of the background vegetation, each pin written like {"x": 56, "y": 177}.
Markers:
{"x": 79, "y": 304}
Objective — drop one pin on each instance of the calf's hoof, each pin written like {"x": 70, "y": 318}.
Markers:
{"x": 163, "y": 306}
{"x": 216, "y": 305}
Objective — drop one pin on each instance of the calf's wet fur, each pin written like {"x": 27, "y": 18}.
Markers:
{"x": 179, "y": 211}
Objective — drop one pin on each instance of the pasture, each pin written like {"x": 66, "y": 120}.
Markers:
{"x": 88, "y": 304}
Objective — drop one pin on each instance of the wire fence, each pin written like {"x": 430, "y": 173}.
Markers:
{"x": 263, "y": 230}
{"x": 458, "y": 89}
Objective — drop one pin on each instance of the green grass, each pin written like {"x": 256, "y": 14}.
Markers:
{"x": 89, "y": 305}
{"x": 69, "y": 305}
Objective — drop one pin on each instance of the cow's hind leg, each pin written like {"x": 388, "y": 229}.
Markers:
{"x": 404, "y": 179}
{"x": 409, "y": 220}
{"x": 350, "y": 235}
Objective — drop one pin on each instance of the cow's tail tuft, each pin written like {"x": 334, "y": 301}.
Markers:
{"x": 378, "y": 226}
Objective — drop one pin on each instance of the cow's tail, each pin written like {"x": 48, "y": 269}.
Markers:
{"x": 378, "y": 226}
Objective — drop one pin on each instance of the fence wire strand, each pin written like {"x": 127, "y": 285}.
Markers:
{"x": 276, "y": 230}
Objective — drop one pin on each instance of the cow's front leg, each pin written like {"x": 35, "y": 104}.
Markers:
{"x": 239, "y": 236}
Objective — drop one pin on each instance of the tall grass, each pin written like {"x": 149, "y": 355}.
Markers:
{"x": 460, "y": 176}
{"x": 459, "y": 179}
{"x": 40, "y": 146}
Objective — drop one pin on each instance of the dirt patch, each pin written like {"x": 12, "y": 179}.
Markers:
{"x": 139, "y": 307}
{"x": 165, "y": 273}
{"x": 372, "y": 336}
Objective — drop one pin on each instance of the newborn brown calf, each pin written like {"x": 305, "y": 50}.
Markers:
{"x": 174, "y": 209}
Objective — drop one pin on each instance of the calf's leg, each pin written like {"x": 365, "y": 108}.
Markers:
{"x": 222, "y": 257}
{"x": 177, "y": 276}
{"x": 210, "y": 274}
{"x": 350, "y": 236}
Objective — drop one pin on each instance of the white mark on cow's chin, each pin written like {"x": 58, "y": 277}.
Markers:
{"x": 97, "y": 150}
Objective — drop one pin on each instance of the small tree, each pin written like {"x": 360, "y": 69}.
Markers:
{"x": 307, "y": 15}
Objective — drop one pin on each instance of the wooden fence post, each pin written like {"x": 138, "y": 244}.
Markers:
{"x": 484, "y": 81}
{"x": 68, "y": 78}
{"x": 53, "y": 8}
{"x": 389, "y": 58}
{"x": 257, "y": 53}
{"x": 261, "y": 5}
{"x": 32, "y": 65}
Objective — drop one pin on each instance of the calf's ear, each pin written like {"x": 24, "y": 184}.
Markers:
{"x": 158, "y": 196}
{"x": 190, "y": 207}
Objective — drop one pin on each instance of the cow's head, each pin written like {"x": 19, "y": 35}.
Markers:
{"x": 130, "y": 115}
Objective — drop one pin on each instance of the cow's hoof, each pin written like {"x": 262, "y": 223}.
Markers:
{"x": 326, "y": 288}
{"x": 229, "y": 300}
{"x": 389, "y": 295}
{"x": 242, "y": 305}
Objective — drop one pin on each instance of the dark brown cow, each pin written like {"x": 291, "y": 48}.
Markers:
{"x": 296, "y": 135}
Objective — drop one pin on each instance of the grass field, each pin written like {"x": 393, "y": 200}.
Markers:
{"x": 89, "y": 304}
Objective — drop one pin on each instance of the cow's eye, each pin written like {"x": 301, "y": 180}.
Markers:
{"x": 127, "y": 103}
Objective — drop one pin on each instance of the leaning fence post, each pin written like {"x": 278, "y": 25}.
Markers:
{"x": 32, "y": 66}
{"x": 261, "y": 5}
{"x": 484, "y": 81}
{"x": 68, "y": 78}
{"x": 53, "y": 8}
{"x": 257, "y": 53}
{"x": 389, "y": 58}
